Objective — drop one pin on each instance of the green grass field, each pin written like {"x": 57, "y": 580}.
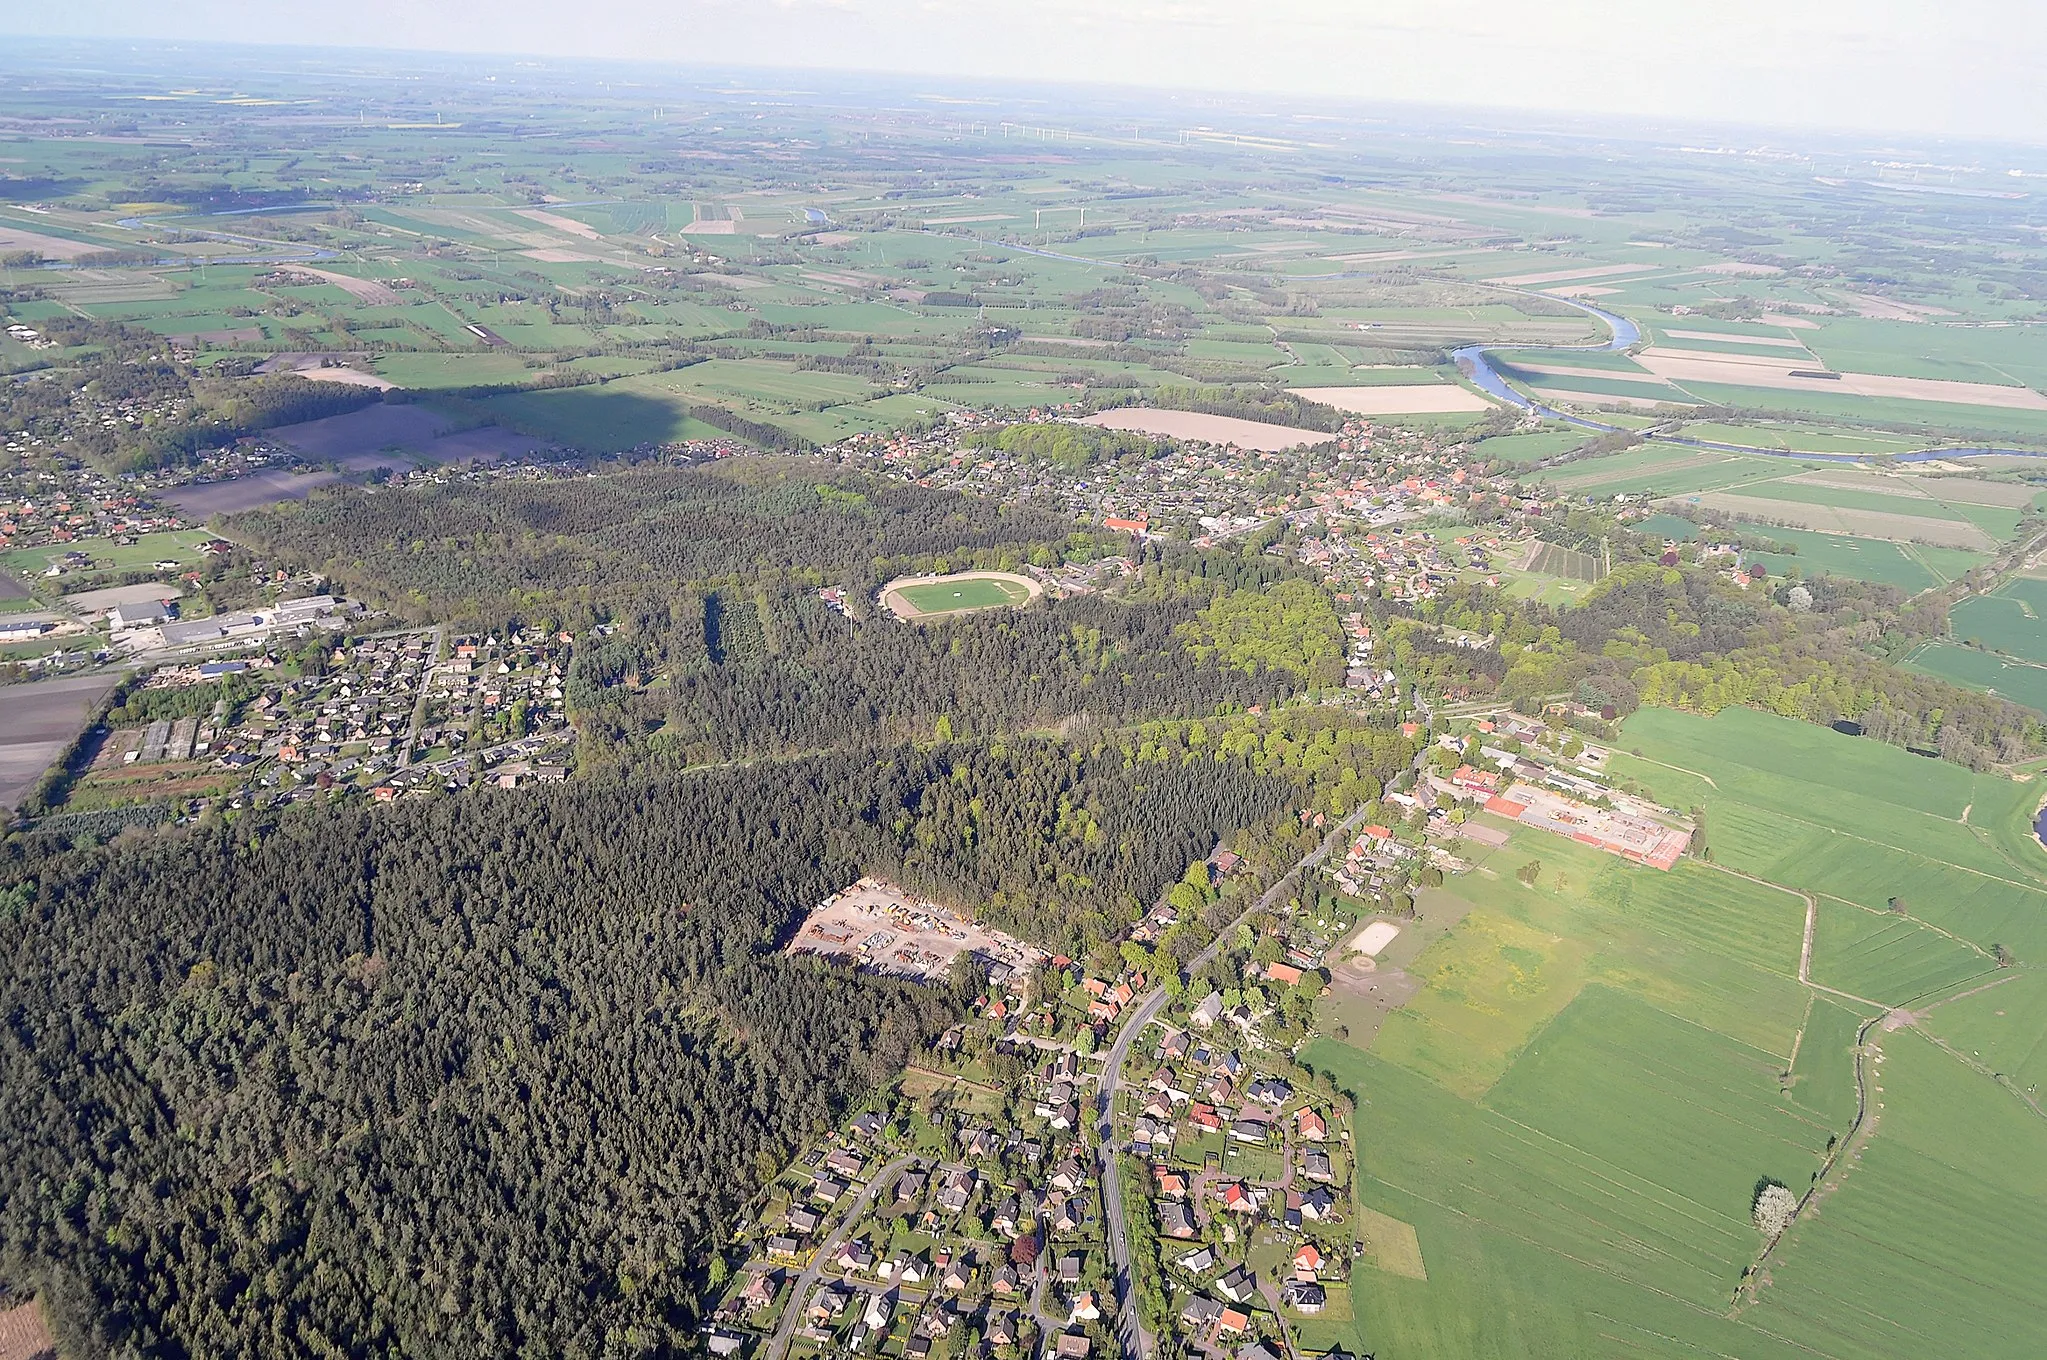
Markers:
{"x": 1932, "y": 1244}
{"x": 2012, "y": 620}
{"x": 2022, "y": 682}
{"x": 1574, "y": 1110}
{"x": 1858, "y": 820}
{"x": 181, "y": 546}
{"x": 1533, "y": 446}
{"x": 1666, "y": 470}
{"x": 1912, "y": 567}
{"x": 956, "y": 596}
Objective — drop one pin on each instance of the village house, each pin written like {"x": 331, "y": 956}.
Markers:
{"x": 1304, "y": 1296}
{"x": 1237, "y": 1285}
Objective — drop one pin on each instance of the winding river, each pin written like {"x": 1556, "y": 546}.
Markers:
{"x": 1475, "y": 363}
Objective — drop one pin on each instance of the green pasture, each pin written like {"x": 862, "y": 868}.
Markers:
{"x": 181, "y": 546}
{"x": 1575, "y": 1109}
{"x": 1996, "y": 520}
{"x": 1906, "y": 349}
{"x": 1532, "y": 447}
{"x": 2003, "y": 1026}
{"x": 1888, "y": 957}
{"x": 1931, "y": 1245}
{"x": 1552, "y": 1216}
{"x": 2011, "y": 620}
{"x": 1661, "y": 525}
{"x": 2022, "y": 682}
{"x": 1939, "y": 420}
{"x": 1795, "y": 437}
{"x": 1549, "y": 384}
{"x": 1802, "y": 805}
{"x": 1912, "y": 567}
{"x": 429, "y": 371}
{"x": 1665, "y": 469}
{"x": 1556, "y": 591}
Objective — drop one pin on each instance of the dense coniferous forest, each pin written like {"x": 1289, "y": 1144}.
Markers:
{"x": 752, "y": 671}
{"x": 585, "y": 545}
{"x": 715, "y": 644}
{"x": 488, "y": 1074}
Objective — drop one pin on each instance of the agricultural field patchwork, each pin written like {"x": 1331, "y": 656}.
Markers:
{"x": 1583, "y": 1017}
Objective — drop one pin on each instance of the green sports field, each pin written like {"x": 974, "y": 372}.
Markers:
{"x": 952, "y": 597}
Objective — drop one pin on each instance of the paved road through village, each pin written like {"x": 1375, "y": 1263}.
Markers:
{"x": 1137, "y": 1343}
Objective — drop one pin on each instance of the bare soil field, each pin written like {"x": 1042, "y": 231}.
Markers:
{"x": 1776, "y": 341}
{"x": 1372, "y": 938}
{"x": 885, "y": 930}
{"x": 1741, "y": 269}
{"x": 555, "y": 255}
{"x": 37, "y": 721}
{"x": 96, "y": 601}
{"x": 1885, "y": 309}
{"x": 1959, "y": 490}
{"x": 366, "y": 291}
{"x": 1245, "y": 434}
{"x": 1604, "y": 271}
{"x": 562, "y": 224}
{"x": 202, "y": 500}
{"x": 351, "y": 377}
{"x": 14, "y": 238}
{"x": 1826, "y": 519}
{"x": 24, "y": 1335}
{"x": 1756, "y": 370}
{"x": 1363, "y": 993}
{"x": 1573, "y": 371}
{"x": 1405, "y": 399}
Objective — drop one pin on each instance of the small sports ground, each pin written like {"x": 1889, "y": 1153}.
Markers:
{"x": 924, "y": 597}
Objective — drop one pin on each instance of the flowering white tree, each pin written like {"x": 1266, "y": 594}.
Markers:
{"x": 1775, "y": 1204}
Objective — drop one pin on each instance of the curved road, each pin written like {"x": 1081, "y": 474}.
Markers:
{"x": 792, "y": 1311}
{"x": 1137, "y": 1343}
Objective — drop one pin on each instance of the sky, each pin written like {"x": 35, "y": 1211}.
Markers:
{"x": 1940, "y": 67}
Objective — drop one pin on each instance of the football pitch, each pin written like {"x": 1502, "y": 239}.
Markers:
{"x": 962, "y": 594}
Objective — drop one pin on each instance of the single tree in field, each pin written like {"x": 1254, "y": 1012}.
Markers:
{"x": 1773, "y": 1208}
